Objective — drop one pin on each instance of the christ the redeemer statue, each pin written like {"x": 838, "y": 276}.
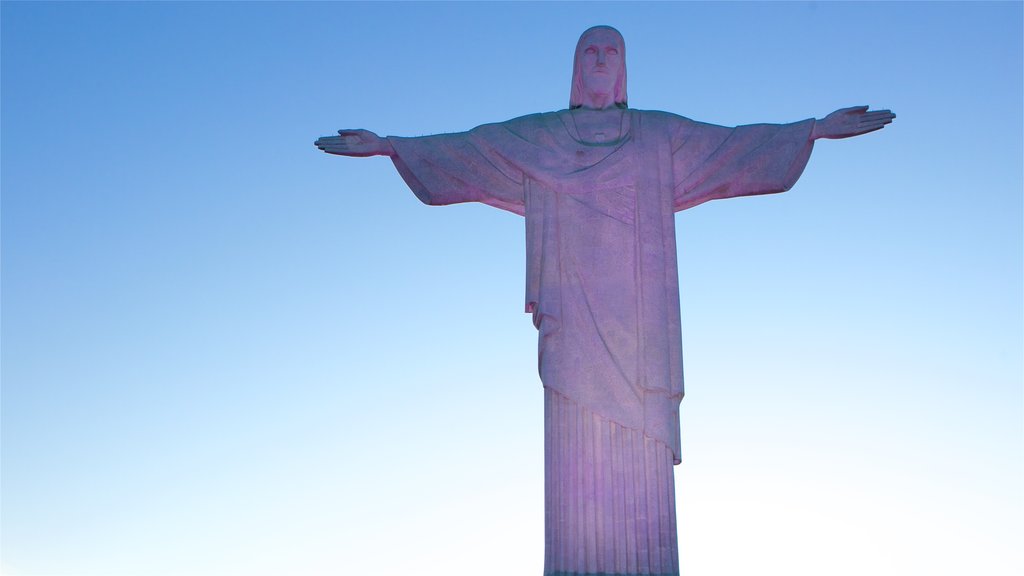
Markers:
{"x": 599, "y": 184}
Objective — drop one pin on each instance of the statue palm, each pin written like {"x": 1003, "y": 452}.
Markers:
{"x": 358, "y": 143}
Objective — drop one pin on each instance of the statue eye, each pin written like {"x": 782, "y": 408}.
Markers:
{"x": 590, "y": 50}
{"x": 613, "y": 51}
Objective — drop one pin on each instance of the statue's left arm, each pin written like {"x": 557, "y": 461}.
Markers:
{"x": 712, "y": 162}
{"x": 445, "y": 169}
{"x": 461, "y": 167}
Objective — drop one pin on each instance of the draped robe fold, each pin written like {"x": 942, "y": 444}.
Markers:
{"x": 601, "y": 280}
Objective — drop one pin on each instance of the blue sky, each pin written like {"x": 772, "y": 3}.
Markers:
{"x": 224, "y": 352}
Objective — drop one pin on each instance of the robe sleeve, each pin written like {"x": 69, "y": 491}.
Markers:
{"x": 712, "y": 162}
{"x": 462, "y": 167}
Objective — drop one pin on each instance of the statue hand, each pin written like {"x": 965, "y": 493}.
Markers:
{"x": 355, "y": 143}
{"x": 854, "y": 121}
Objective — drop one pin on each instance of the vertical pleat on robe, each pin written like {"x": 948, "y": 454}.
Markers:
{"x": 610, "y": 496}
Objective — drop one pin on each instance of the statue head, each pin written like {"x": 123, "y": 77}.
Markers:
{"x": 600, "y": 61}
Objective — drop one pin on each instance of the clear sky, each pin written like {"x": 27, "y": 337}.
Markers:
{"x": 226, "y": 353}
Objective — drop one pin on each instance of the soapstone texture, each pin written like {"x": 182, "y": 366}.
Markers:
{"x": 598, "y": 185}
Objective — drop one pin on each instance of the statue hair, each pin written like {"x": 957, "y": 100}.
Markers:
{"x": 576, "y": 93}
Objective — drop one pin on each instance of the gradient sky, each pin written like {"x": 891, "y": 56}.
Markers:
{"x": 226, "y": 353}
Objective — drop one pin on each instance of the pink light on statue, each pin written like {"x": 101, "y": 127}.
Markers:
{"x": 599, "y": 184}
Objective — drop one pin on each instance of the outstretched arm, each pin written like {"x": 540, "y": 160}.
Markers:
{"x": 443, "y": 169}
{"x": 847, "y": 122}
{"x": 358, "y": 143}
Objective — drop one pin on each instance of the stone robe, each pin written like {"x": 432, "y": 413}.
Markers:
{"x": 601, "y": 280}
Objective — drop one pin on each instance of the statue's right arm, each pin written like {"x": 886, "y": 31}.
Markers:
{"x": 355, "y": 143}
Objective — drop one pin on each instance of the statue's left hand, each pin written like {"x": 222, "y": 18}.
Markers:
{"x": 358, "y": 143}
{"x": 847, "y": 122}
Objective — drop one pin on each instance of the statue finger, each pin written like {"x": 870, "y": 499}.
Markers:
{"x": 883, "y": 120}
{"x": 872, "y": 123}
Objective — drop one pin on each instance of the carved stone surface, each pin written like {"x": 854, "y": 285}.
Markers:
{"x": 598, "y": 185}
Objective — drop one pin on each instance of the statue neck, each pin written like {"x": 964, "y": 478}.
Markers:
{"x": 600, "y": 127}
{"x": 598, "y": 100}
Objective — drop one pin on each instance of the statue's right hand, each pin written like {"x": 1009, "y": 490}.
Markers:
{"x": 355, "y": 143}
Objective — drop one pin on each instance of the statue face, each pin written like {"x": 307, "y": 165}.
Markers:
{"x": 599, "y": 67}
{"x": 601, "y": 60}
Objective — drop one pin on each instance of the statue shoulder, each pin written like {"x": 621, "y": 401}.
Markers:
{"x": 521, "y": 124}
{"x": 530, "y": 127}
{"x": 662, "y": 118}
{"x": 536, "y": 120}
